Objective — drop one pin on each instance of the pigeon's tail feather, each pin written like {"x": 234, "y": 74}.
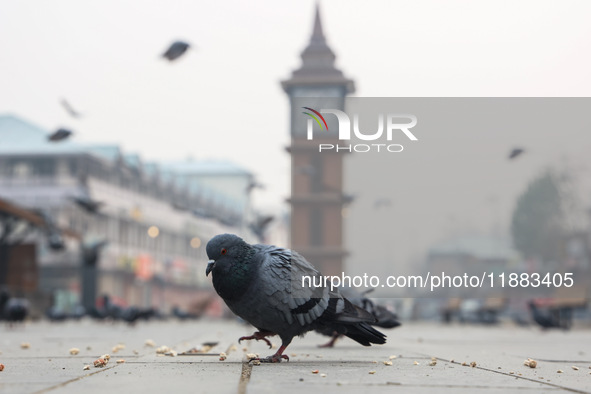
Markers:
{"x": 365, "y": 334}
{"x": 342, "y": 310}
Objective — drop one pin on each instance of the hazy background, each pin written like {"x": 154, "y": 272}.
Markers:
{"x": 224, "y": 100}
{"x": 456, "y": 182}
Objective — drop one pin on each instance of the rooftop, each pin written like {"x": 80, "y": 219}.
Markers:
{"x": 479, "y": 246}
{"x": 20, "y": 136}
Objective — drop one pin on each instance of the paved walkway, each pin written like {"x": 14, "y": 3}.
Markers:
{"x": 48, "y": 367}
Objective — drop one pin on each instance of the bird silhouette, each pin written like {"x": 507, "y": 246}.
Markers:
{"x": 59, "y": 135}
{"x": 69, "y": 109}
{"x": 176, "y": 50}
{"x": 515, "y": 153}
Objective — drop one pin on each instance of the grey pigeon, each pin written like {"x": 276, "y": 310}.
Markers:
{"x": 176, "y": 50}
{"x": 59, "y": 135}
{"x": 384, "y": 317}
{"x": 515, "y": 152}
{"x": 262, "y": 284}
{"x": 13, "y": 310}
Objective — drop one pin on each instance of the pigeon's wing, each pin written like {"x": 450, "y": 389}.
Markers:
{"x": 296, "y": 288}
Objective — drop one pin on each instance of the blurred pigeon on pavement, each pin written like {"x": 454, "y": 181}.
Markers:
{"x": 384, "y": 317}
{"x": 551, "y": 317}
{"x": 176, "y": 50}
{"x": 13, "y": 310}
{"x": 262, "y": 284}
{"x": 59, "y": 135}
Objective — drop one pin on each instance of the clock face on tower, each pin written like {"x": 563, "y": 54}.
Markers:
{"x": 317, "y": 98}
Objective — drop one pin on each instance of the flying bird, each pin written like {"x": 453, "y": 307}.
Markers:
{"x": 254, "y": 185}
{"x": 260, "y": 225}
{"x": 176, "y": 50}
{"x": 515, "y": 152}
{"x": 54, "y": 235}
{"x": 263, "y": 285}
{"x": 69, "y": 109}
{"x": 59, "y": 135}
{"x": 88, "y": 204}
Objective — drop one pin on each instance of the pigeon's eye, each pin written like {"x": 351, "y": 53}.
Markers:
{"x": 224, "y": 251}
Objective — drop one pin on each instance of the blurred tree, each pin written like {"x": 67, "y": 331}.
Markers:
{"x": 539, "y": 224}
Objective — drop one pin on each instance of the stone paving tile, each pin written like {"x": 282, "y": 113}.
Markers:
{"x": 47, "y": 366}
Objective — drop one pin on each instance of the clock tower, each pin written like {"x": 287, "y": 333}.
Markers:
{"x": 317, "y": 199}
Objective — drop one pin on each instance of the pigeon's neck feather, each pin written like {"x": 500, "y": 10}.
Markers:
{"x": 238, "y": 276}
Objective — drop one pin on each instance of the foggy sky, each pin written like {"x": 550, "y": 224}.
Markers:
{"x": 224, "y": 99}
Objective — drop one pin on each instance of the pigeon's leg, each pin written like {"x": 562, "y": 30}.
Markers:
{"x": 333, "y": 340}
{"x": 259, "y": 335}
{"x": 276, "y": 358}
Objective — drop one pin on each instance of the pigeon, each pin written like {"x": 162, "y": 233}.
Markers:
{"x": 59, "y": 135}
{"x": 175, "y": 50}
{"x": 384, "y": 317}
{"x": 254, "y": 185}
{"x": 263, "y": 285}
{"x": 13, "y": 310}
{"x": 69, "y": 109}
{"x": 132, "y": 314}
{"x": 54, "y": 236}
{"x": 551, "y": 317}
{"x": 260, "y": 225}
{"x": 182, "y": 314}
{"x": 87, "y": 204}
{"x": 515, "y": 152}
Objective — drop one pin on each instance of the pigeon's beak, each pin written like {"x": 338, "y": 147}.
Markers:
{"x": 210, "y": 265}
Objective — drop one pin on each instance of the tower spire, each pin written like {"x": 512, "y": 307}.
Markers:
{"x": 317, "y": 33}
{"x": 318, "y": 62}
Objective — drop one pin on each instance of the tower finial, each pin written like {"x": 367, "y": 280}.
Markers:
{"x": 317, "y": 33}
{"x": 318, "y": 60}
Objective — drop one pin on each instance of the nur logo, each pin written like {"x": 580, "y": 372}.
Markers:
{"x": 390, "y": 122}
{"x": 315, "y": 118}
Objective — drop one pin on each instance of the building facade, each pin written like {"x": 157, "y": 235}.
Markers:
{"x": 153, "y": 219}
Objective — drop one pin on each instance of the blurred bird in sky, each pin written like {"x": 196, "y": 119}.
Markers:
{"x": 54, "y": 235}
{"x": 176, "y": 50}
{"x": 87, "y": 204}
{"x": 254, "y": 185}
{"x": 515, "y": 152}
{"x": 69, "y": 109}
{"x": 59, "y": 135}
{"x": 260, "y": 225}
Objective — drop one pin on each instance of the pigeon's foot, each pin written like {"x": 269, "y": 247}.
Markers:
{"x": 259, "y": 335}
{"x": 276, "y": 358}
{"x": 330, "y": 343}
